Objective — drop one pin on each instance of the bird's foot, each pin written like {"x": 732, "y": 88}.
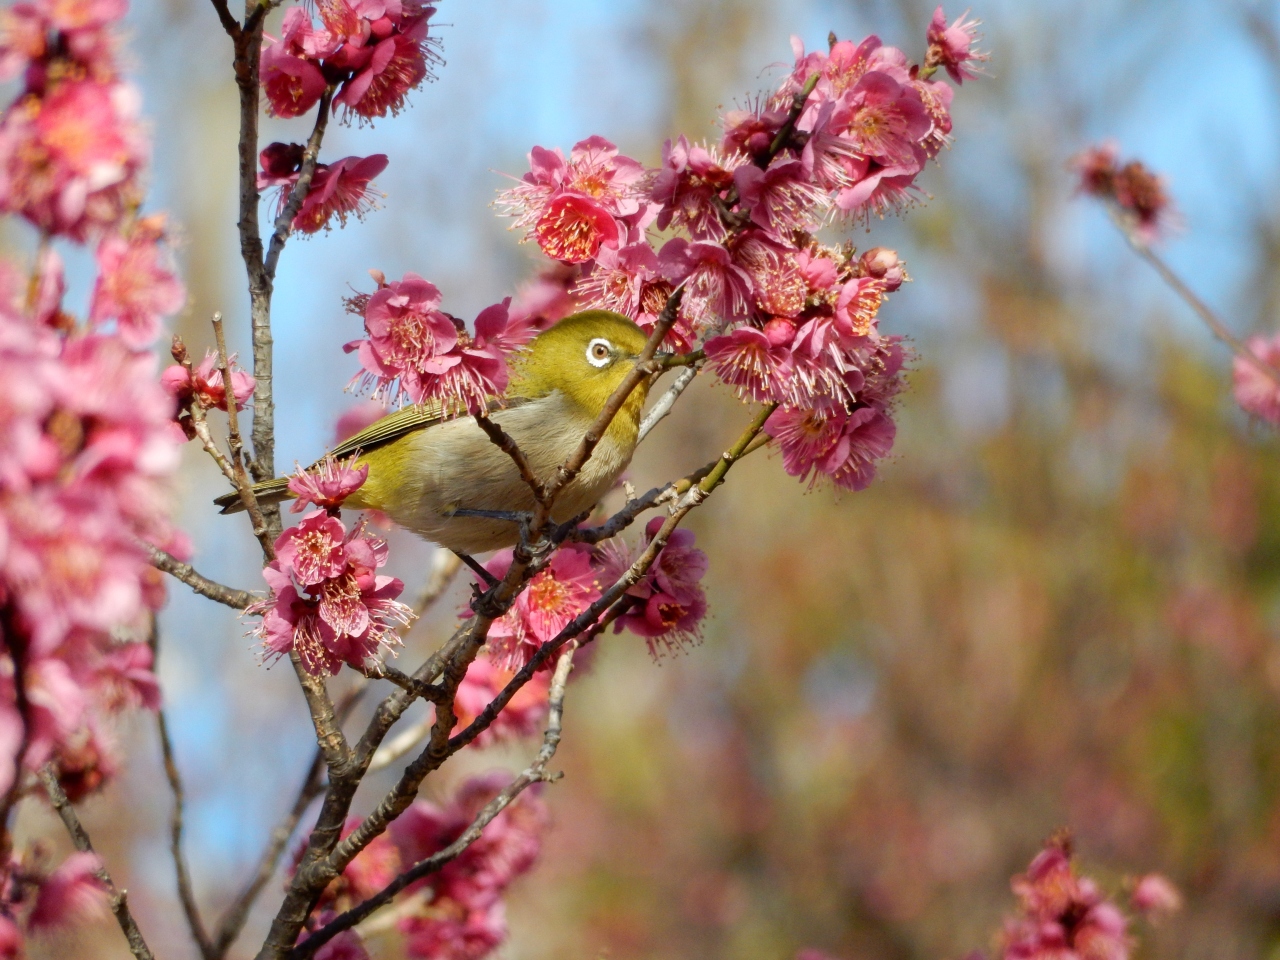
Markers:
{"x": 511, "y": 516}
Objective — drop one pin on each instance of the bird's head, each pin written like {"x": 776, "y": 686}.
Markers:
{"x": 585, "y": 356}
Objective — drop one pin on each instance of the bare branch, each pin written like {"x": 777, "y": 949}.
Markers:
{"x": 284, "y": 221}
{"x": 186, "y": 894}
{"x": 535, "y": 773}
{"x": 658, "y": 412}
{"x": 231, "y": 597}
{"x": 240, "y": 477}
{"x": 118, "y": 898}
{"x": 229, "y": 23}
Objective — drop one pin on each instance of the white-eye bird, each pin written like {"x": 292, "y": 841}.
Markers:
{"x": 423, "y": 468}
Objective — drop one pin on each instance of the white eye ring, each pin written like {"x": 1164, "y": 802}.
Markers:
{"x": 599, "y": 352}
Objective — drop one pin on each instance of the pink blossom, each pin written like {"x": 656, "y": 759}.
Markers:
{"x": 936, "y": 97}
{"x": 881, "y": 263}
{"x": 341, "y": 189}
{"x": 136, "y": 285}
{"x": 71, "y": 894}
{"x": 1155, "y": 896}
{"x": 841, "y": 446}
{"x": 69, "y": 160}
{"x": 124, "y": 677}
{"x": 523, "y": 716}
{"x": 782, "y": 198}
{"x": 401, "y": 53}
{"x": 756, "y": 362}
{"x": 686, "y": 185}
{"x": 348, "y": 945}
{"x": 356, "y": 418}
{"x": 1137, "y": 192}
{"x": 573, "y": 228}
{"x": 618, "y": 280}
{"x": 291, "y": 84}
{"x": 555, "y": 595}
{"x": 716, "y": 290}
{"x": 857, "y": 305}
{"x": 779, "y": 283}
{"x": 952, "y": 47}
{"x": 546, "y": 298}
{"x": 461, "y": 934}
{"x": 468, "y": 377}
{"x": 670, "y": 601}
{"x": 1255, "y": 391}
{"x": 884, "y": 120}
{"x": 327, "y": 484}
{"x": 327, "y": 602}
{"x": 407, "y": 333}
{"x": 203, "y": 383}
{"x": 751, "y": 132}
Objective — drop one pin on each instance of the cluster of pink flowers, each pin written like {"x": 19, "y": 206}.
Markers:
{"x": 667, "y": 605}
{"x": 1257, "y": 391}
{"x": 459, "y": 911}
{"x": 87, "y": 446}
{"x": 1065, "y": 916}
{"x": 373, "y": 53}
{"x": 1139, "y": 194}
{"x": 327, "y": 602}
{"x": 782, "y": 318}
{"x": 415, "y": 351}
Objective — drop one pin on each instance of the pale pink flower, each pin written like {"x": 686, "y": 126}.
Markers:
{"x": 757, "y": 363}
{"x": 1155, "y": 896}
{"x": 124, "y": 677}
{"x": 204, "y": 383}
{"x": 952, "y": 46}
{"x": 936, "y": 97}
{"x": 618, "y": 279}
{"x": 407, "y": 332}
{"x": 554, "y": 596}
{"x": 69, "y": 160}
{"x": 857, "y": 305}
{"x": 523, "y": 716}
{"x": 327, "y": 484}
{"x": 71, "y": 894}
{"x": 1255, "y": 391}
{"x": 716, "y": 290}
{"x": 843, "y": 447}
{"x": 136, "y": 284}
{"x": 881, "y": 263}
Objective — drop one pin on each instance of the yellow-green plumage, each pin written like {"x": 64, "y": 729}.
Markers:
{"x": 423, "y": 468}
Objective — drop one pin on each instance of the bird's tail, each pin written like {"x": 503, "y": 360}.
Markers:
{"x": 268, "y": 491}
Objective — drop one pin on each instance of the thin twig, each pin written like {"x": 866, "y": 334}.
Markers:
{"x": 119, "y": 899}
{"x": 658, "y": 412}
{"x": 186, "y": 895}
{"x": 535, "y": 773}
{"x": 229, "y": 23}
{"x": 504, "y": 442}
{"x": 231, "y": 597}
{"x": 1188, "y": 296}
{"x": 236, "y": 445}
{"x": 284, "y": 222}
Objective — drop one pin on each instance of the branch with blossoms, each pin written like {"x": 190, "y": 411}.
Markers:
{"x": 716, "y": 254}
{"x": 1138, "y": 201}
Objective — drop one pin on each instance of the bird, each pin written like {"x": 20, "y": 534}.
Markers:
{"x": 430, "y": 474}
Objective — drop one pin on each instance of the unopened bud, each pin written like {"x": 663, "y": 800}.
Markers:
{"x": 178, "y": 349}
{"x": 779, "y": 331}
{"x": 883, "y": 264}
{"x": 379, "y": 278}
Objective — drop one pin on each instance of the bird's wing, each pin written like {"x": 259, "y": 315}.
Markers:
{"x": 395, "y": 425}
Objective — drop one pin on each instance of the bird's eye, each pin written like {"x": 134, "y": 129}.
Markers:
{"x": 599, "y": 351}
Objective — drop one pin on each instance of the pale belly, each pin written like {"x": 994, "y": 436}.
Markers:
{"x": 454, "y": 466}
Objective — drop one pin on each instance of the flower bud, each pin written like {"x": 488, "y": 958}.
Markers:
{"x": 883, "y": 264}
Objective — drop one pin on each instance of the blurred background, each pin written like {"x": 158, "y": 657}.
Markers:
{"x": 1059, "y": 606}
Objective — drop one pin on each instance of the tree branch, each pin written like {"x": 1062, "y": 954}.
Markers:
{"x": 535, "y": 773}
{"x": 658, "y": 412}
{"x": 504, "y": 442}
{"x": 284, "y": 221}
{"x": 231, "y": 597}
{"x": 118, "y": 898}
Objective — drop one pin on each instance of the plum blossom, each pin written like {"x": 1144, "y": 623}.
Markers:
{"x": 71, "y": 894}
{"x": 756, "y": 362}
{"x": 782, "y": 198}
{"x": 1257, "y": 392}
{"x": 203, "y": 383}
{"x": 952, "y": 46}
{"x": 1140, "y": 195}
{"x": 327, "y": 484}
{"x": 669, "y": 602}
{"x": 327, "y": 601}
{"x": 523, "y": 716}
{"x": 716, "y": 290}
{"x": 554, "y": 596}
{"x": 687, "y": 184}
{"x": 136, "y": 285}
{"x": 416, "y": 351}
{"x": 1155, "y": 897}
{"x": 835, "y": 444}
{"x": 1061, "y": 914}
{"x": 341, "y": 189}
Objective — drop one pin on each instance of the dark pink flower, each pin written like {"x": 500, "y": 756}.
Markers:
{"x": 686, "y": 185}
{"x": 341, "y": 189}
{"x": 459, "y": 934}
{"x": 952, "y": 46}
{"x": 204, "y": 383}
{"x": 136, "y": 285}
{"x": 618, "y": 279}
{"x": 313, "y": 551}
{"x": 833, "y": 444}
{"x": 1255, "y": 391}
{"x": 470, "y": 376}
{"x": 327, "y": 484}
{"x": 782, "y": 198}
{"x": 1139, "y": 194}
{"x": 407, "y": 332}
{"x": 573, "y": 228}
{"x": 555, "y": 595}
{"x": 755, "y": 362}
{"x": 71, "y": 894}
{"x": 751, "y": 132}
{"x": 291, "y": 84}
